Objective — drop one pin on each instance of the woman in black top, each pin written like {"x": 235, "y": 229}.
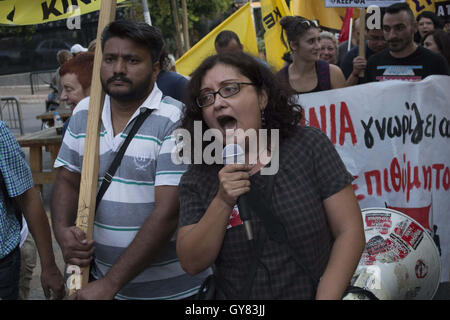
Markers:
{"x": 307, "y": 73}
{"x": 311, "y": 197}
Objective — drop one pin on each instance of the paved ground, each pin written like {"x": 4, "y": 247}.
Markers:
{"x": 33, "y": 105}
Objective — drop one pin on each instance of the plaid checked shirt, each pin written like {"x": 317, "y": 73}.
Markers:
{"x": 18, "y": 179}
{"x": 310, "y": 171}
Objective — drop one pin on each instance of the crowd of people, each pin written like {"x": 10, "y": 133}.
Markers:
{"x": 400, "y": 42}
{"x": 167, "y": 230}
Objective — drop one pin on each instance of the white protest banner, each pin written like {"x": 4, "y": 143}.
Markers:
{"x": 359, "y": 3}
{"x": 394, "y": 138}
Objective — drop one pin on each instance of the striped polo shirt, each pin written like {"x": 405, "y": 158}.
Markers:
{"x": 130, "y": 198}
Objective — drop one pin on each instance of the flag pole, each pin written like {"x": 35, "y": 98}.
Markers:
{"x": 89, "y": 171}
{"x": 254, "y": 25}
{"x": 187, "y": 45}
{"x": 350, "y": 31}
{"x": 362, "y": 31}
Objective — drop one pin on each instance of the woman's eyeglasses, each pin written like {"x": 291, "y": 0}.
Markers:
{"x": 228, "y": 90}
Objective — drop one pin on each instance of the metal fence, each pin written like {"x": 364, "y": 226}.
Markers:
{"x": 39, "y": 78}
{"x": 11, "y": 113}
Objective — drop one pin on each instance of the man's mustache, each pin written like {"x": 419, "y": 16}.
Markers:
{"x": 118, "y": 78}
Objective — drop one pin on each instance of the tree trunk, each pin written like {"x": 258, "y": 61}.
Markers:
{"x": 133, "y": 10}
{"x": 187, "y": 45}
{"x": 173, "y": 5}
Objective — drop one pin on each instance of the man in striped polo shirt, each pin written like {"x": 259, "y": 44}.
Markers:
{"x": 133, "y": 253}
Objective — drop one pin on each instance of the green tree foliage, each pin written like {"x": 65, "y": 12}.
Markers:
{"x": 201, "y": 17}
{"x": 12, "y": 31}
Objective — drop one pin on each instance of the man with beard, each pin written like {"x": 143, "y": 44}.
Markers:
{"x": 131, "y": 255}
{"x": 403, "y": 59}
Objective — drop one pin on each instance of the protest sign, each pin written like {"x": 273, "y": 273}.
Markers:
{"x": 394, "y": 138}
{"x": 26, "y": 12}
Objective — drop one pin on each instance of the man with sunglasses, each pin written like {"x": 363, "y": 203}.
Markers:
{"x": 404, "y": 59}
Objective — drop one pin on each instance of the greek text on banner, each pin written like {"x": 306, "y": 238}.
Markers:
{"x": 394, "y": 138}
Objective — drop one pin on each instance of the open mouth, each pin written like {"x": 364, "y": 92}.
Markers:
{"x": 227, "y": 123}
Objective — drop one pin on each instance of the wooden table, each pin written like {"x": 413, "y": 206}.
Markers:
{"x": 49, "y": 139}
{"x": 48, "y": 117}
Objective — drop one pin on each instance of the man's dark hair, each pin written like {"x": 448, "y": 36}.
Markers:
{"x": 225, "y": 37}
{"x": 398, "y": 7}
{"x": 140, "y": 32}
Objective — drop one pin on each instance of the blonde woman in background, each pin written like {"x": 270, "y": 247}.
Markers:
{"x": 328, "y": 47}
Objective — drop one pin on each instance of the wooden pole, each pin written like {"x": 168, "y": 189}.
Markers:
{"x": 187, "y": 45}
{"x": 89, "y": 172}
{"x": 362, "y": 32}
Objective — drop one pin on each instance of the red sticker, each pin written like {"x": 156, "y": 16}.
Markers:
{"x": 421, "y": 269}
{"x": 381, "y": 222}
{"x": 235, "y": 218}
{"x": 398, "y": 247}
{"x": 413, "y": 235}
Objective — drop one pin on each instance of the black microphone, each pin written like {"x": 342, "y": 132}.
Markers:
{"x": 233, "y": 153}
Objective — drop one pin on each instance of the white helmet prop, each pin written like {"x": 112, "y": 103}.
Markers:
{"x": 400, "y": 260}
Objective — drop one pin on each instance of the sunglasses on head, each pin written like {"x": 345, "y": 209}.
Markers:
{"x": 310, "y": 23}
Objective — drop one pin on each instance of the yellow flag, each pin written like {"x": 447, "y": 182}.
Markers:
{"x": 330, "y": 18}
{"x": 23, "y": 12}
{"x": 418, "y": 6}
{"x": 272, "y": 11}
{"x": 240, "y": 22}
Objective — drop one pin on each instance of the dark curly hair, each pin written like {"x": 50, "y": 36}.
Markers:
{"x": 294, "y": 27}
{"x": 281, "y": 112}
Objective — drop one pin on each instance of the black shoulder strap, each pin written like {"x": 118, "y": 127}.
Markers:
{"x": 109, "y": 174}
{"x": 254, "y": 199}
{"x": 262, "y": 206}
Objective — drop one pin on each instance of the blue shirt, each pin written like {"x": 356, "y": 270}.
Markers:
{"x": 172, "y": 84}
{"x": 18, "y": 179}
